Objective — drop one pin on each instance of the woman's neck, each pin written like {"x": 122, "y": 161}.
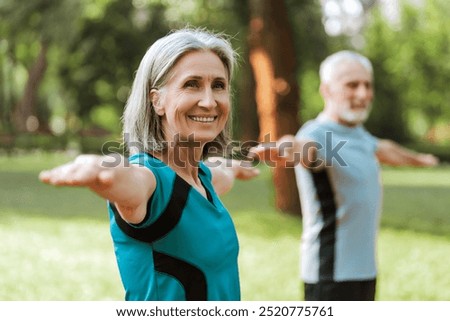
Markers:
{"x": 183, "y": 159}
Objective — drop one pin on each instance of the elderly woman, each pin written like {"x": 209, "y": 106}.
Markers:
{"x": 173, "y": 238}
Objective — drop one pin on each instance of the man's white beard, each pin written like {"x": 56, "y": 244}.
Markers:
{"x": 354, "y": 117}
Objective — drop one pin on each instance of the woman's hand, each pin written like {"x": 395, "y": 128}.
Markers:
{"x": 86, "y": 170}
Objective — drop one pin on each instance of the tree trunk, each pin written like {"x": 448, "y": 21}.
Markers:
{"x": 24, "y": 114}
{"x": 272, "y": 57}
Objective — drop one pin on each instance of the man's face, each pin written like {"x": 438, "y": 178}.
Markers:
{"x": 348, "y": 95}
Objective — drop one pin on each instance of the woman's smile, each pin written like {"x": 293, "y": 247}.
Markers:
{"x": 203, "y": 119}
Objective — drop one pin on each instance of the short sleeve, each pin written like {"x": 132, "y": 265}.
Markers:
{"x": 164, "y": 183}
{"x": 371, "y": 140}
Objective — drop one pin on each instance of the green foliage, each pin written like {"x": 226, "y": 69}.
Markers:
{"x": 25, "y": 28}
{"x": 312, "y": 46}
{"x": 312, "y": 102}
{"x": 412, "y": 70}
{"x": 27, "y": 23}
{"x": 106, "y": 116}
{"x": 94, "y": 47}
{"x": 106, "y": 53}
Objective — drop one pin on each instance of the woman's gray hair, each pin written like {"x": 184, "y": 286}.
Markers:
{"x": 328, "y": 66}
{"x": 142, "y": 130}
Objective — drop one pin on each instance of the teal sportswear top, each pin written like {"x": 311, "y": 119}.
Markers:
{"x": 341, "y": 203}
{"x": 186, "y": 248}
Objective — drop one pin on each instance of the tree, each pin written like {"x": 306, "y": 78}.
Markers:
{"x": 104, "y": 57}
{"x": 412, "y": 70}
{"x": 34, "y": 25}
{"x": 273, "y": 60}
{"x": 387, "y": 102}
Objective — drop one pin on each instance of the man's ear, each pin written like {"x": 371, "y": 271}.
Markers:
{"x": 324, "y": 90}
{"x": 156, "y": 102}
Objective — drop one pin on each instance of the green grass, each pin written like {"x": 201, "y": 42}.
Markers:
{"x": 56, "y": 243}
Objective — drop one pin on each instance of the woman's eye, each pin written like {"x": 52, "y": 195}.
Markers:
{"x": 219, "y": 85}
{"x": 191, "y": 84}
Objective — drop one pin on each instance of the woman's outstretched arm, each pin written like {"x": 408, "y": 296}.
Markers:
{"x": 128, "y": 186}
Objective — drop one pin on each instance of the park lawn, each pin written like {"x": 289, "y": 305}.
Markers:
{"x": 56, "y": 243}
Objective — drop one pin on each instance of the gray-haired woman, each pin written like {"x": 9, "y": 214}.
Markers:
{"x": 173, "y": 238}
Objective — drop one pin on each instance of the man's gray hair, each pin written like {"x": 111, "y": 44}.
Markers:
{"x": 142, "y": 130}
{"x": 328, "y": 66}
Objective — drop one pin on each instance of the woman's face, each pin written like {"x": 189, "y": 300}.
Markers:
{"x": 195, "y": 102}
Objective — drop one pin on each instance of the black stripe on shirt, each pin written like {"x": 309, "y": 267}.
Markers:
{"x": 166, "y": 222}
{"x": 327, "y": 234}
{"x": 192, "y": 279}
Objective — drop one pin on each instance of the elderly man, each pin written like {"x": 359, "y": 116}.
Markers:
{"x": 338, "y": 175}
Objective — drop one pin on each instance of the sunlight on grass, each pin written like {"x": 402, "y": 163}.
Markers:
{"x": 417, "y": 199}
{"x": 269, "y": 255}
{"x": 413, "y": 266}
{"x": 418, "y": 177}
{"x": 35, "y": 161}
{"x": 49, "y": 259}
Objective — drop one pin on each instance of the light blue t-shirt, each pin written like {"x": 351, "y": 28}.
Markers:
{"x": 194, "y": 256}
{"x": 341, "y": 203}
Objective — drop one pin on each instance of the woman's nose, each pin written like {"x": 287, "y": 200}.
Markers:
{"x": 208, "y": 99}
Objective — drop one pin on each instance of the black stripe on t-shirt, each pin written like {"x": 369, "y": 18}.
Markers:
{"x": 192, "y": 278}
{"x": 166, "y": 222}
{"x": 327, "y": 234}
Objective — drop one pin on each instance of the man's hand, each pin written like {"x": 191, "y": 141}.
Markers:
{"x": 285, "y": 152}
{"x": 225, "y": 171}
{"x": 244, "y": 170}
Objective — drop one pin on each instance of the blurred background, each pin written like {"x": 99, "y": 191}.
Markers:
{"x": 66, "y": 68}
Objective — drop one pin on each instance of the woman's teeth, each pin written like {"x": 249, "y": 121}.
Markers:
{"x": 202, "y": 119}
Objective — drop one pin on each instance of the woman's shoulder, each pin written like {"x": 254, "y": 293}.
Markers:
{"x": 164, "y": 175}
{"x": 148, "y": 160}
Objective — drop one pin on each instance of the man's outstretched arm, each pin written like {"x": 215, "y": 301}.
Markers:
{"x": 391, "y": 153}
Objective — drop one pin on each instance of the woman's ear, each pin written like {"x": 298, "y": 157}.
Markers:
{"x": 156, "y": 102}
